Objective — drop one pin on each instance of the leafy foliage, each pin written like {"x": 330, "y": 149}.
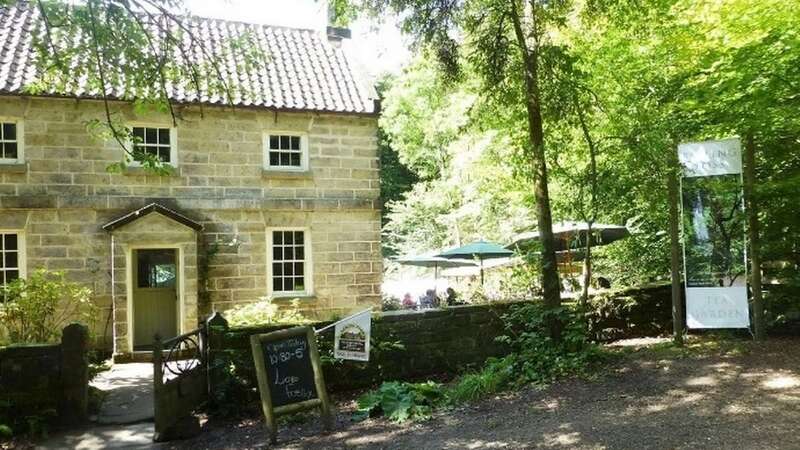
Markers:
{"x": 632, "y": 80}
{"x": 400, "y": 401}
{"x": 38, "y": 307}
{"x": 535, "y": 356}
{"x": 265, "y": 312}
{"x": 469, "y": 187}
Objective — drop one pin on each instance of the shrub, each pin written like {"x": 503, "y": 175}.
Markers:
{"x": 534, "y": 357}
{"x": 400, "y": 401}
{"x": 36, "y": 309}
{"x": 265, "y": 312}
{"x": 537, "y": 358}
{"x": 390, "y": 303}
{"x": 235, "y": 392}
{"x": 233, "y": 387}
{"x": 782, "y": 313}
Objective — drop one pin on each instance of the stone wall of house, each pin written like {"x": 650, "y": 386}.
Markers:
{"x": 63, "y": 194}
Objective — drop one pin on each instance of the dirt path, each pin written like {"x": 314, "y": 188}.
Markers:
{"x": 652, "y": 400}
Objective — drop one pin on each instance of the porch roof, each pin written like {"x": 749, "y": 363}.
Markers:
{"x": 144, "y": 211}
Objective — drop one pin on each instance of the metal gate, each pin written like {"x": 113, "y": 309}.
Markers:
{"x": 180, "y": 378}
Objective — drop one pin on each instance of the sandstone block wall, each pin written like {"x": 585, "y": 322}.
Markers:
{"x": 63, "y": 194}
{"x": 431, "y": 342}
{"x": 37, "y": 378}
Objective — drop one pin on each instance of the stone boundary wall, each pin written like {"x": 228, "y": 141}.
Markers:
{"x": 632, "y": 312}
{"x": 38, "y": 379}
{"x": 409, "y": 345}
{"x": 405, "y": 345}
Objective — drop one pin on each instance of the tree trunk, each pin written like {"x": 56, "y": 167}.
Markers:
{"x": 675, "y": 249}
{"x": 536, "y": 157}
{"x": 587, "y": 261}
{"x": 587, "y": 266}
{"x": 751, "y": 210}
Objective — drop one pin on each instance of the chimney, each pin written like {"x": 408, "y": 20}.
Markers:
{"x": 335, "y": 34}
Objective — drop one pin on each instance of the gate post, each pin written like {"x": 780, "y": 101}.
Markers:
{"x": 158, "y": 381}
{"x": 216, "y": 327}
{"x": 74, "y": 402}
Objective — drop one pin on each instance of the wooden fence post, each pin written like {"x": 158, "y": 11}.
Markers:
{"x": 158, "y": 380}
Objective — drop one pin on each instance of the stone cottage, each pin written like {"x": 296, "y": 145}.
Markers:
{"x": 273, "y": 196}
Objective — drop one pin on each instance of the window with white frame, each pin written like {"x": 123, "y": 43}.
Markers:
{"x": 11, "y": 263}
{"x": 285, "y": 152}
{"x": 10, "y": 142}
{"x": 289, "y": 268}
{"x": 155, "y": 141}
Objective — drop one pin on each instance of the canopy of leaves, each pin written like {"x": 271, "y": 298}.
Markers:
{"x": 631, "y": 78}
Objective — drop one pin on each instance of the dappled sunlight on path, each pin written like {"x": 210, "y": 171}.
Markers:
{"x": 706, "y": 396}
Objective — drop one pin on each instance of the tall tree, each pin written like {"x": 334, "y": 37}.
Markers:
{"x": 530, "y": 26}
{"x": 513, "y": 46}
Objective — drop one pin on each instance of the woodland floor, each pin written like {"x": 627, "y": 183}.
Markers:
{"x": 715, "y": 394}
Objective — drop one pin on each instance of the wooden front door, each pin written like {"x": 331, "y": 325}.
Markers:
{"x": 155, "y": 296}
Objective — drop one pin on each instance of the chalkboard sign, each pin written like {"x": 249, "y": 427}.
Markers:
{"x": 289, "y": 370}
{"x": 289, "y": 375}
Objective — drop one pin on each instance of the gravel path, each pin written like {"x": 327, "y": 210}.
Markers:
{"x": 653, "y": 399}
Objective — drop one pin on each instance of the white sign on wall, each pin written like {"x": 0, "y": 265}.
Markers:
{"x": 713, "y": 229}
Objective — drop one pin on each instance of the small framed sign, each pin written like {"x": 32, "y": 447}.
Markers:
{"x": 289, "y": 375}
{"x": 351, "y": 337}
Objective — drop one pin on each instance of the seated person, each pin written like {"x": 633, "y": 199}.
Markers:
{"x": 408, "y": 302}
{"x": 428, "y": 300}
{"x": 452, "y": 298}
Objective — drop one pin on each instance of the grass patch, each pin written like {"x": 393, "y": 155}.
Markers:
{"x": 694, "y": 347}
{"x": 496, "y": 376}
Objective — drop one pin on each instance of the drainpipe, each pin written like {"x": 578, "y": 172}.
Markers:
{"x": 113, "y": 302}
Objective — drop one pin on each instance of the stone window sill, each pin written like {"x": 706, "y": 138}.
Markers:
{"x": 302, "y": 298}
{"x": 286, "y": 174}
{"x": 136, "y": 170}
{"x": 14, "y": 167}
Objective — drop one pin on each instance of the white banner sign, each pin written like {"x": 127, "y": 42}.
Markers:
{"x": 717, "y": 307}
{"x": 351, "y": 337}
{"x": 713, "y": 230}
{"x": 701, "y": 159}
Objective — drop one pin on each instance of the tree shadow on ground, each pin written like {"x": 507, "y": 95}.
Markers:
{"x": 718, "y": 399}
